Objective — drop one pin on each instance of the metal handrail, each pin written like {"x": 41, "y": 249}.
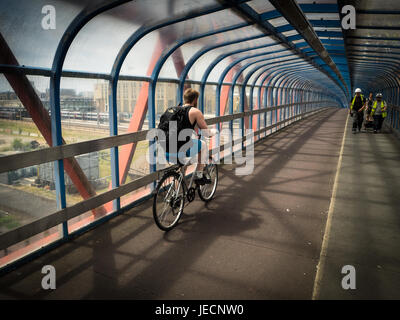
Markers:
{"x": 27, "y": 159}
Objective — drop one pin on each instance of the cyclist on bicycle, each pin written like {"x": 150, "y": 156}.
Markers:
{"x": 182, "y": 145}
{"x": 193, "y": 117}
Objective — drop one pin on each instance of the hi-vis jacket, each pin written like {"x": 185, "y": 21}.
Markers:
{"x": 383, "y": 104}
{"x": 354, "y": 100}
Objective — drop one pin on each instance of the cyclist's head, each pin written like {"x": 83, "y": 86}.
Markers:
{"x": 191, "y": 96}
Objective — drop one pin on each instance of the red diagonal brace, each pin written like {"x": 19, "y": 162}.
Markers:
{"x": 30, "y": 100}
{"x": 225, "y": 94}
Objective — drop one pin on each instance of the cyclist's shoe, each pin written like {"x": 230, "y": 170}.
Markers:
{"x": 202, "y": 180}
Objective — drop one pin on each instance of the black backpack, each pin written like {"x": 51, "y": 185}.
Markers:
{"x": 176, "y": 114}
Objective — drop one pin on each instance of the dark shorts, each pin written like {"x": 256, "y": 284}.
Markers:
{"x": 194, "y": 150}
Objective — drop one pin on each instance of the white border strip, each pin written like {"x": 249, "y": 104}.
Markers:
{"x": 324, "y": 247}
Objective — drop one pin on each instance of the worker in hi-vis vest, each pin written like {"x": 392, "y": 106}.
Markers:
{"x": 357, "y": 106}
{"x": 379, "y": 112}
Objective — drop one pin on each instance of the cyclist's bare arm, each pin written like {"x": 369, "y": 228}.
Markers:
{"x": 197, "y": 115}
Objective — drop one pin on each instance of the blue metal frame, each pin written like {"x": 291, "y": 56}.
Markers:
{"x": 273, "y": 82}
{"x": 257, "y": 68}
{"x": 130, "y": 43}
{"x": 266, "y": 98}
{"x": 274, "y": 79}
{"x": 225, "y": 72}
{"x": 245, "y": 81}
{"x": 281, "y": 81}
{"x": 169, "y": 51}
{"x": 203, "y": 51}
{"x": 229, "y": 67}
{"x": 276, "y": 33}
{"x": 69, "y": 35}
{"x": 244, "y": 84}
{"x": 237, "y": 75}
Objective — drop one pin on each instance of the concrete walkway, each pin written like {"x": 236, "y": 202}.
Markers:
{"x": 365, "y": 224}
{"x": 260, "y": 238}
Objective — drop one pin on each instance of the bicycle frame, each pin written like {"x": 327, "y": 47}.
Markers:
{"x": 182, "y": 177}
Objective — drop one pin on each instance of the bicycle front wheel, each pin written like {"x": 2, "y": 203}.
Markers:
{"x": 169, "y": 201}
{"x": 207, "y": 191}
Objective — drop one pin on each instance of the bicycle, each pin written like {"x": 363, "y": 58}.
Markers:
{"x": 172, "y": 191}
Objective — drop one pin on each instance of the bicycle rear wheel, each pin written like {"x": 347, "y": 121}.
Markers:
{"x": 207, "y": 191}
{"x": 169, "y": 201}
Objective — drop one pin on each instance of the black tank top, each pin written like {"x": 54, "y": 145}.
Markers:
{"x": 186, "y": 125}
{"x": 186, "y": 121}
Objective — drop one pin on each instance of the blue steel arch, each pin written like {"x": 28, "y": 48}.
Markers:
{"x": 56, "y": 130}
{"x": 276, "y": 90}
{"x": 299, "y": 84}
{"x": 377, "y": 65}
{"x": 288, "y": 84}
{"x": 169, "y": 51}
{"x": 222, "y": 57}
{"x": 279, "y": 75}
{"x": 273, "y": 77}
{"x": 204, "y": 50}
{"x": 314, "y": 80}
{"x": 216, "y": 61}
{"x": 267, "y": 73}
{"x": 256, "y": 79}
{"x": 250, "y": 73}
{"x": 291, "y": 89}
{"x": 287, "y": 90}
{"x": 281, "y": 81}
{"x": 199, "y": 54}
{"x": 279, "y": 71}
{"x": 386, "y": 75}
{"x": 243, "y": 94}
{"x": 382, "y": 61}
{"x": 227, "y": 69}
{"x": 269, "y": 67}
{"x": 234, "y": 63}
{"x": 247, "y": 78}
